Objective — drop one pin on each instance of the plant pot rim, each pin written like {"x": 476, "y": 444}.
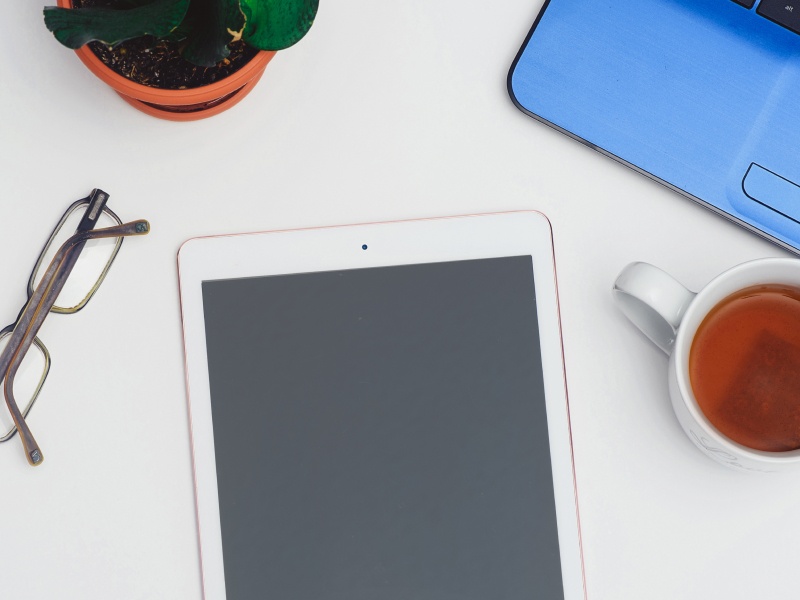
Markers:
{"x": 155, "y": 95}
{"x": 169, "y": 113}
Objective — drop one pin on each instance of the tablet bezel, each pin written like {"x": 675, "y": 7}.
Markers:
{"x": 445, "y": 239}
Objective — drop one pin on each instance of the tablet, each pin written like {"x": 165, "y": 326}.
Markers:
{"x": 379, "y": 412}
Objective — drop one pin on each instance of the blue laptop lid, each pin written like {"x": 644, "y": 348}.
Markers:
{"x": 702, "y": 95}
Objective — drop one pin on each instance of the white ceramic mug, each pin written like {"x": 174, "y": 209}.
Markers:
{"x": 669, "y": 315}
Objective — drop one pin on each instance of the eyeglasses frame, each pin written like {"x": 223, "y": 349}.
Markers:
{"x": 42, "y": 299}
{"x": 67, "y": 214}
{"x": 83, "y": 202}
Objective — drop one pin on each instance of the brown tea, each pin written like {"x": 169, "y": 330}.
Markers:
{"x": 744, "y": 367}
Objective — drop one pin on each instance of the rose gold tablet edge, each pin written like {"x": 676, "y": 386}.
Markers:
{"x": 191, "y": 431}
{"x": 569, "y": 416}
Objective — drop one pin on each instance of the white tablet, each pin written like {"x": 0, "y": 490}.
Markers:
{"x": 379, "y": 412}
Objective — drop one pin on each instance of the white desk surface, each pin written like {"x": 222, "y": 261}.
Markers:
{"x": 387, "y": 110}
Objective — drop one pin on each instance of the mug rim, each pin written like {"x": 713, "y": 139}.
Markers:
{"x": 705, "y": 300}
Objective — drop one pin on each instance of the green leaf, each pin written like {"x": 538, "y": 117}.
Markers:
{"x": 210, "y": 26}
{"x": 277, "y": 24}
{"x": 74, "y": 27}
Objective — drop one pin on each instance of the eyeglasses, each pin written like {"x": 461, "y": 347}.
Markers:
{"x": 68, "y": 272}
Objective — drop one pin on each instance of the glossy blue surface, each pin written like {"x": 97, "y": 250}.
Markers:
{"x": 691, "y": 93}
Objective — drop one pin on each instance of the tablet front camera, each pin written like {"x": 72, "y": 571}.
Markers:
{"x": 363, "y": 246}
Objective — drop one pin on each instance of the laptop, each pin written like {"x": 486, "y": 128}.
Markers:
{"x": 701, "y": 95}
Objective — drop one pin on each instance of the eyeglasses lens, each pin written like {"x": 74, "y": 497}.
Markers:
{"x": 91, "y": 267}
{"x": 28, "y": 382}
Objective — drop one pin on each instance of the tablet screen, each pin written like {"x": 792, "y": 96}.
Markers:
{"x": 381, "y": 433}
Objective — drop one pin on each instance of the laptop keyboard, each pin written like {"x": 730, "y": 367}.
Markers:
{"x": 782, "y": 12}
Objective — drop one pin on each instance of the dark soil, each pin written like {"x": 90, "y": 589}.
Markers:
{"x": 156, "y": 63}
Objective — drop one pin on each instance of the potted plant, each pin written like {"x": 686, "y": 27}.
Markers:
{"x": 179, "y": 59}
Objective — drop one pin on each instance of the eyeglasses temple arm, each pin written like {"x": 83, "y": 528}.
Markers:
{"x": 97, "y": 202}
{"x": 29, "y": 322}
{"x": 36, "y": 311}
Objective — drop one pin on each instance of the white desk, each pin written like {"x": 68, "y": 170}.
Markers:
{"x": 387, "y": 110}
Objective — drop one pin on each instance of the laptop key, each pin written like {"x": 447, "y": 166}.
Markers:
{"x": 783, "y": 12}
{"x": 746, "y": 3}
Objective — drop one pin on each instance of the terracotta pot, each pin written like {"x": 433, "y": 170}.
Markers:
{"x": 179, "y": 105}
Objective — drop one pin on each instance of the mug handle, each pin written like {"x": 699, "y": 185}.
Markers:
{"x": 653, "y": 300}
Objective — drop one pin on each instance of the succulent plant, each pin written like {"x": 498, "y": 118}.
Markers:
{"x": 203, "y": 28}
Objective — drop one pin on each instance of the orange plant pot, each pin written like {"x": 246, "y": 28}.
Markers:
{"x": 179, "y": 105}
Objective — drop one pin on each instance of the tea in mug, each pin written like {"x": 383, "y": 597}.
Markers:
{"x": 744, "y": 367}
